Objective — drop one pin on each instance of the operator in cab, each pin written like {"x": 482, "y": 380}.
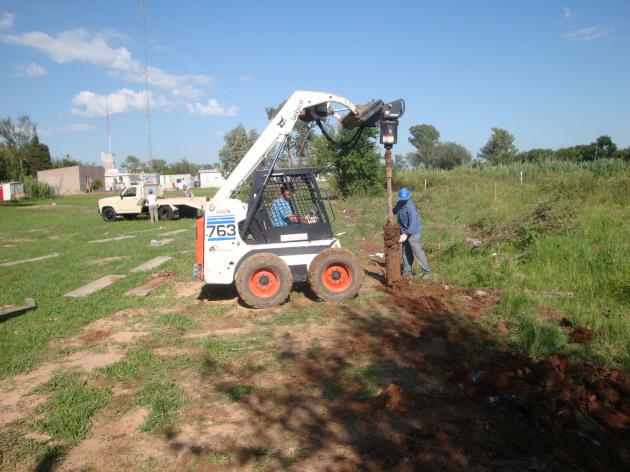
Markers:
{"x": 281, "y": 211}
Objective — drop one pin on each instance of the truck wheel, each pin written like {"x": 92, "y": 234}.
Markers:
{"x": 335, "y": 275}
{"x": 263, "y": 280}
{"x": 109, "y": 214}
{"x": 165, "y": 213}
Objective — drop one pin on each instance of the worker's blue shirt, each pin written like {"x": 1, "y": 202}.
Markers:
{"x": 280, "y": 212}
{"x": 408, "y": 217}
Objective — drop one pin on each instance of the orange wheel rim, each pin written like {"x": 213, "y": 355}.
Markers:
{"x": 264, "y": 283}
{"x": 337, "y": 277}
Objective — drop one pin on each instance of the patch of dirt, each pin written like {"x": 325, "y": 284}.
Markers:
{"x": 450, "y": 397}
{"x": 16, "y": 402}
{"x": 116, "y": 443}
{"x": 122, "y": 327}
{"x": 177, "y": 351}
{"x": 92, "y": 337}
{"x": 187, "y": 289}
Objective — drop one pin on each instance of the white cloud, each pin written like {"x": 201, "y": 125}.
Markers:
{"x": 6, "y": 22}
{"x": 212, "y": 108}
{"x": 567, "y": 13}
{"x": 587, "y": 34}
{"x": 74, "y": 128}
{"x": 80, "y": 45}
{"x": 29, "y": 70}
{"x": 244, "y": 78}
{"x": 90, "y": 104}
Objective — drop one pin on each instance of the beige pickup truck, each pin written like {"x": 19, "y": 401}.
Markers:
{"x": 132, "y": 202}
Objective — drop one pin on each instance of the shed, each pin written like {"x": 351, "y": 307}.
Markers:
{"x": 73, "y": 179}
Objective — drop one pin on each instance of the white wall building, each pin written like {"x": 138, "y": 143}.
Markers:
{"x": 108, "y": 160}
{"x": 116, "y": 180}
{"x": 210, "y": 178}
{"x": 176, "y": 181}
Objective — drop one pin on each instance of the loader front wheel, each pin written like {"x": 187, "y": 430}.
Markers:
{"x": 335, "y": 275}
{"x": 263, "y": 280}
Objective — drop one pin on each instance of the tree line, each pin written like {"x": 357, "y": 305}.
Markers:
{"x": 499, "y": 149}
{"x": 359, "y": 168}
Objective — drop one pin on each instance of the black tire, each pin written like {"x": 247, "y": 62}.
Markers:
{"x": 263, "y": 280}
{"x": 335, "y": 275}
{"x": 165, "y": 213}
{"x": 108, "y": 214}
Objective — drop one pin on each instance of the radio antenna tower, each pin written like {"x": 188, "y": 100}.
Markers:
{"x": 147, "y": 110}
{"x": 109, "y": 130}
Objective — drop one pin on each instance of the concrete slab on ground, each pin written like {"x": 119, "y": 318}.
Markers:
{"x": 160, "y": 242}
{"x": 94, "y": 286}
{"x": 177, "y": 231}
{"x": 32, "y": 259}
{"x": 152, "y": 264}
{"x": 146, "y": 288}
{"x": 117, "y": 238}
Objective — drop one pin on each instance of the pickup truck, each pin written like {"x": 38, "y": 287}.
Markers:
{"x": 132, "y": 202}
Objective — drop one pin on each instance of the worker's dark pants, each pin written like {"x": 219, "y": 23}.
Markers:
{"x": 413, "y": 247}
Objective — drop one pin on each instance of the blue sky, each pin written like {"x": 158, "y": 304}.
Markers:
{"x": 553, "y": 73}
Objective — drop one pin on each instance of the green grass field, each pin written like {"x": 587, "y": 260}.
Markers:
{"x": 589, "y": 263}
{"x": 168, "y": 362}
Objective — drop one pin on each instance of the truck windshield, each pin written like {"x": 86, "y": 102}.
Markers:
{"x": 129, "y": 192}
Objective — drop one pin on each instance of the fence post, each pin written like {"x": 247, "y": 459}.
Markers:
{"x": 521, "y": 177}
{"x": 425, "y": 183}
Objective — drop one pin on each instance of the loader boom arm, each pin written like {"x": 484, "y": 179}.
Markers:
{"x": 275, "y": 132}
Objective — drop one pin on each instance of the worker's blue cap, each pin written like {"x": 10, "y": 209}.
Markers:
{"x": 150, "y": 190}
{"x": 404, "y": 193}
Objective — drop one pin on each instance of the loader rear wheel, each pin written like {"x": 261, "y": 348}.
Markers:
{"x": 335, "y": 275}
{"x": 263, "y": 280}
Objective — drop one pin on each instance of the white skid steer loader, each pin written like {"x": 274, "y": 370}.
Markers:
{"x": 283, "y": 233}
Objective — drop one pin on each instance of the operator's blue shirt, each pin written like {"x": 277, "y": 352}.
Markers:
{"x": 408, "y": 217}
{"x": 280, "y": 212}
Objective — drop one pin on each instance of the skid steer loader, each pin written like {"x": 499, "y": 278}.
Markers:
{"x": 246, "y": 244}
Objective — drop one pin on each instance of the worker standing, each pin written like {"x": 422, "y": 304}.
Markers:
{"x": 152, "y": 204}
{"x": 410, "y": 233}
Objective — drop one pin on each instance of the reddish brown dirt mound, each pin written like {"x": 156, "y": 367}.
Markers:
{"x": 450, "y": 397}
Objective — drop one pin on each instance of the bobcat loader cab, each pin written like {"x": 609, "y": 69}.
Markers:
{"x": 252, "y": 244}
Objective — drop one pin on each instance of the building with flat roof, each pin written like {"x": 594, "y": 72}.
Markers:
{"x": 73, "y": 179}
{"x": 210, "y": 178}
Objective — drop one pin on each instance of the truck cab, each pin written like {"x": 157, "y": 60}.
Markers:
{"x": 130, "y": 203}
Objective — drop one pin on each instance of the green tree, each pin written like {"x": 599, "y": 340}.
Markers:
{"x": 22, "y": 153}
{"x": 357, "y": 168}
{"x": 449, "y": 155}
{"x": 499, "y": 148}
{"x": 301, "y": 141}
{"x": 424, "y": 138}
{"x": 66, "y": 161}
{"x": 132, "y": 163}
{"x": 237, "y": 142}
{"x": 401, "y": 163}
{"x": 19, "y": 134}
{"x": 36, "y": 156}
{"x": 183, "y": 166}
{"x": 156, "y": 165}
{"x": 96, "y": 185}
